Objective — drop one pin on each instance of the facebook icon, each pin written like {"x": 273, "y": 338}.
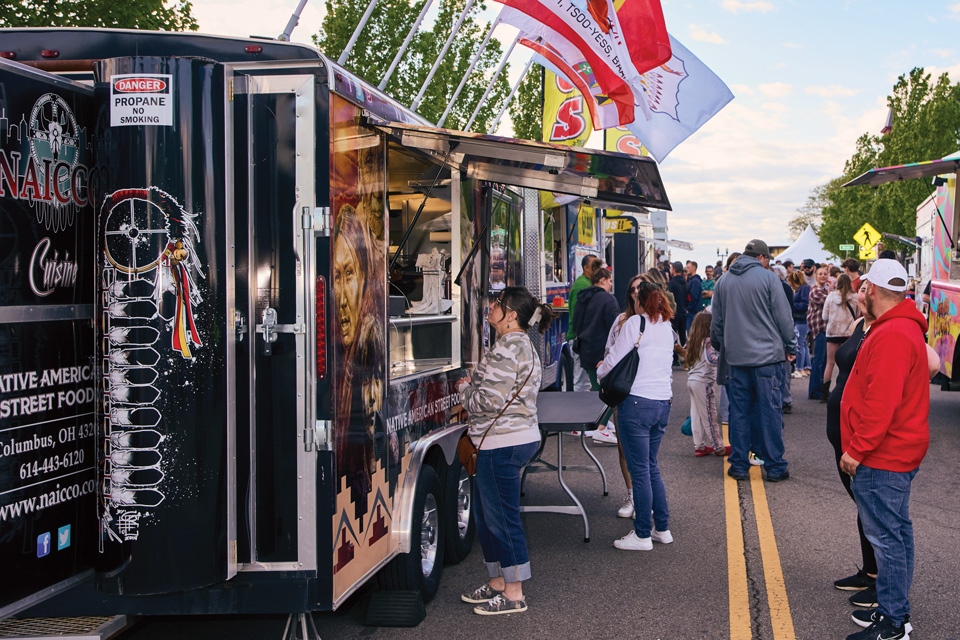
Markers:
{"x": 43, "y": 544}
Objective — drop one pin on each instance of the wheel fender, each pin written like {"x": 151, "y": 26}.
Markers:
{"x": 445, "y": 438}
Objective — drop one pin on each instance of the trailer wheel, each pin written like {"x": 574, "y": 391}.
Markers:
{"x": 457, "y": 511}
{"x": 421, "y": 568}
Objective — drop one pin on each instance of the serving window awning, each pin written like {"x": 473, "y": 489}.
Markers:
{"x": 910, "y": 171}
{"x": 609, "y": 178}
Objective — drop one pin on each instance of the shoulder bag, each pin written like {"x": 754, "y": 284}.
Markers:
{"x": 615, "y": 387}
{"x": 466, "y": 450}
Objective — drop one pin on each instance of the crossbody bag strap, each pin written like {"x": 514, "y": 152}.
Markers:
{"x": 506, "y": 406}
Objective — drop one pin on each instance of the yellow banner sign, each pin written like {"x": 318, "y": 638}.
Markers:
{"x": 566, "y": 117}
{"x": 586, "y": 225}
{"x": 621, "y": 140}
{"x": 617, "y": 225}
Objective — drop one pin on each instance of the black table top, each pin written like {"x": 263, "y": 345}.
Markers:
{"x": 569, "y": 410}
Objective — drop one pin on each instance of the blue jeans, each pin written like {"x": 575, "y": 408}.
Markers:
{"x": 818, "y": 365}
{"x": 883, "y": 502}
{"x": 756, "y": 402}
{"x": 496, "y": 504}
{"x": 803, "y": 351}
{"x": 640, "y": 426}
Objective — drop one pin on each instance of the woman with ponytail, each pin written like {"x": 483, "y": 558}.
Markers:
{"x": 642, "y": 417}
{"x": 501, "y": 398}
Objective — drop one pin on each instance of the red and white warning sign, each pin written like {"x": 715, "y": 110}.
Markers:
{"x": 141, "y": 99}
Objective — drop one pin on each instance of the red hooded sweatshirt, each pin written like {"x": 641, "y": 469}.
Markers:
{"x": 886, "y": 403}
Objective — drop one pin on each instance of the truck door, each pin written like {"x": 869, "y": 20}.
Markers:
{"x": 274, "y": 189}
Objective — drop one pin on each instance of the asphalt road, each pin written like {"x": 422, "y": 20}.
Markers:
{"x": 683, "y": 590}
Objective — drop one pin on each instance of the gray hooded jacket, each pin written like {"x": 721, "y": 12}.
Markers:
{"x": 752, "y": 322}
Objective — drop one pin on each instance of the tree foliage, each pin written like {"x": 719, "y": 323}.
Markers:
{"x": 811, "y": 212}
{"x": 158, "y": 15}
{"x": 926, "y": 126}
{"x": 526, "y": 111}
{"x": 384, "y": 34}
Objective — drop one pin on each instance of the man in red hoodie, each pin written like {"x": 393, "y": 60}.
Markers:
{"x": 885, "y": 432}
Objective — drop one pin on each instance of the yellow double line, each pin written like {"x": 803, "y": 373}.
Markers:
{"x": 782, "y": 622}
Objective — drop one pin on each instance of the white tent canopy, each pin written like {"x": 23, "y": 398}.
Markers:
{"x": 806, "y": 246}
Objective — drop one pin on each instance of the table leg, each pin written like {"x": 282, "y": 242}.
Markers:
{"x": 583, "y": 513}
{"x": 603, "y": 474}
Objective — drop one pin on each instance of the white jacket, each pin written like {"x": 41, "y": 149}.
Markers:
{"x": 840, "y": 317}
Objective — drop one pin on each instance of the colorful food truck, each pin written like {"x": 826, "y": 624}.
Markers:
{"x": 944, "y": 258}
{"x": 239, "y": 286}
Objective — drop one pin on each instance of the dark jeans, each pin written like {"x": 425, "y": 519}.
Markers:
{"x": 640, "y": 426}
{"x": 883, "y": 500}
{"x": 756, "y": 418}
{"x": 496, "y": 504}
{"x": 818, "y": 364}
{"x": 680, "y": 326}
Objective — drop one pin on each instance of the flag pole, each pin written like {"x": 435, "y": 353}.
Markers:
{"x": 443, "y": 52}
{"x": 403, "y": 47}
{"x": 513, "y": 92}
{"x": 292, "y": 22}
{"x": 493, "y": 80}
{"x": 356, "y": 32}
{"x": 473, "y": 63}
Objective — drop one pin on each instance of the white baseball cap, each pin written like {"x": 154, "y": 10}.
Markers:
{"x": 884, "y": 271}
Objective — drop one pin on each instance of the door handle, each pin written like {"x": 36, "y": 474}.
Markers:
{"x": 271, "y": 330}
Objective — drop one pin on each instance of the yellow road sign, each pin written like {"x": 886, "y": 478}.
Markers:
{"x": 868, "y": 253}
{"x": 867, "y": 236}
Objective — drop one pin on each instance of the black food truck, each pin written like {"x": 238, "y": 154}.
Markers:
{"x": 239, "y": 285}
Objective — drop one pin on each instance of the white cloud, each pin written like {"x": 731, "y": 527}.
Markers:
{"x": 792, "y": 45}
{"x": 735, "y": 6}
{"x": 741, "y": 90}
{"x": 953, "y": 70}
{"x": 700, "y": 34}
{"x": 943, "y": 53}
{"x": 776, "y": 89}
{"x": 954, "y": 8}
{"x": 832, "y": 91}
{"x": 243, "y": 18}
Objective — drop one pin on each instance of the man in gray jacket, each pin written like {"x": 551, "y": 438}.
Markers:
{"x": 753, "y": 326}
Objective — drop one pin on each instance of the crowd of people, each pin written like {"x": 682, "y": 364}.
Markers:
{"x": 748, "y": 329}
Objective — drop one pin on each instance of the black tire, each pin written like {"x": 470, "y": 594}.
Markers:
{"x": 421, "y": 568}
{"x": 459, "y": 524}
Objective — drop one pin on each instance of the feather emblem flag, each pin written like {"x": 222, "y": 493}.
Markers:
{"x": 888, "y": 125}
{"x": 681, "y": 96}
{"x": 593, "y": 27}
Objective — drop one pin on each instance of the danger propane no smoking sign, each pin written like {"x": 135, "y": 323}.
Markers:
{"x": 141, "y": 99}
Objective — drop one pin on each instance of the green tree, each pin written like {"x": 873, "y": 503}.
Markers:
{"x": 157, "y": 15}
{"x": 382, "y": 38}
{"x": 926, "y": 126}
{"x": 526, "y": 111}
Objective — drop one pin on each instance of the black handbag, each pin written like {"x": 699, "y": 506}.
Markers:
{"x": 616, "y": 385}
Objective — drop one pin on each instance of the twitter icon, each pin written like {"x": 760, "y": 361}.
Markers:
{"x": 63, "y": 537}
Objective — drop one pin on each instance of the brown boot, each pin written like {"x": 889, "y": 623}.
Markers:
{"x": 825, "y": 392}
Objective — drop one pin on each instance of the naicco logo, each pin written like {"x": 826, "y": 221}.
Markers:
{"x": 140, "y": 85}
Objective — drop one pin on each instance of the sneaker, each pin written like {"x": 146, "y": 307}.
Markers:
{"x": 784, "y": 476}
{"x": 722, "y": 452}
{"x": 755, "y": 460}
{"x": 881, "y": 628}
{"x": 605, "y": 437}
{"x": 788, "y": 407}
{"x": 857, "y": 582}
{"x": 480, "y": 594}
{"x": 631, "y": 542}
{"x": 796, "y": 374}
{"x": 501, "y": 604}
{"x": 627, "y": 510}
{"x": 703, "y": 452}
{"x": 866, "y": 599}
{"x": 865, "y": 618}
{"x": 663, "y": 537}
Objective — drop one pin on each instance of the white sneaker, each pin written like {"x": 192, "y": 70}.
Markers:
{"x": 605, "y": 437}
{"x": 663, "y": 537}
{"x": 755, "y": 460}
{"x": 631, "y": 542}
{"x": 627, "y": 510}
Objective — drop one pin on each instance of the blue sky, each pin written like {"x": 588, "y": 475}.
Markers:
{"x": 809, "y": 78}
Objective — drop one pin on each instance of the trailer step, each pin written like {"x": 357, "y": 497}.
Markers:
{"x": 86, "y": 628}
